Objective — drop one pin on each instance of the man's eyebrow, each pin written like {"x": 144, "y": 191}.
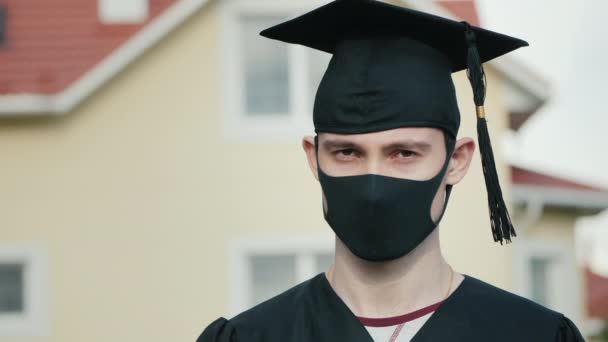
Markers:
{"x": 338, "y": 144}
{"x": 408, "y": 144}
{"x": 397, "y": 145}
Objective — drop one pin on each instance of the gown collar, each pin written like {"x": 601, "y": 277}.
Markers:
{"x": 335, "y": 316}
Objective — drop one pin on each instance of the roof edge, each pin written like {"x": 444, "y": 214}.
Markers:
{"x": 75, "y": 93}
{"x": 559, "y": 197}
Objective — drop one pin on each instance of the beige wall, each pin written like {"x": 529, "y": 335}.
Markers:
{"x": 466, "y": 234}
{"x": 136, "y": 195}
{"x": 555, "y": 224}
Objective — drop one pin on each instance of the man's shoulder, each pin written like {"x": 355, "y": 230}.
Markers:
{"x": 278, "y": 311}
{"x": 478, "y": 311}
{"x": 490, "y": 300}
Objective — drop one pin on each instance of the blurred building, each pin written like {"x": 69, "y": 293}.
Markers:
{"x": 550, "y": 264}
{"x": 152, "y": 177}
{"x": 591, "y": 237}
{"x": 546, "y": 268}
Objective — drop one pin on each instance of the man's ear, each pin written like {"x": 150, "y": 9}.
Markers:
{"x": 460, "y": 161}
{"x": 308, "y": 144}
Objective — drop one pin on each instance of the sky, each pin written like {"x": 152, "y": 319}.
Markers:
{"x": 568, "y": 47}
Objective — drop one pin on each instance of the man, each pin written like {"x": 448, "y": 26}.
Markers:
{"x": 387, "y": 157}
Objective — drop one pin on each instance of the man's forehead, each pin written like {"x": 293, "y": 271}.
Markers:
{"x": 397, "y": 135}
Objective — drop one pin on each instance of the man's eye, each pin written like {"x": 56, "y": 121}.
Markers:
{"x": 406, "y": 154}
{"x": 347, "y": 152}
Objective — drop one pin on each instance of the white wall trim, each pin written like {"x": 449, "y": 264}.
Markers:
{"x": 121, "y": 11}
{"x": 303, "y": 246}
{"x": 560, "y": 197}
{"x": 66, "y": 100}
{"x": 35, "y": 319}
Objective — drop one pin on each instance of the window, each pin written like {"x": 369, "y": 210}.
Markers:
{"x": 266, "y": 68}
{"x": 269, "y": 86}
{"x": 23, "y": 290}
{"x": 273, "y": 274}
{"x": 544, "y": 271}
{"x": 270, "y": 274}
{"x": 539, "y": 279}
{"x": 122, "y": 11}
{"x": 11, "y": 288}
{"x": 264, "y": 267}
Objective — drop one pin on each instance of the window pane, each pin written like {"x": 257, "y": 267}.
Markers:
{"x": 11, "y": 288}
{"x": 271, "y": 275}
{"x": 539, "y": 267}
{"x": 266, "y": 68}
{"x": 323, "y": 261}
{"x": 317, "y": 66}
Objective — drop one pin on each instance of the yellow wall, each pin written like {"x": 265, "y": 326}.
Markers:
{"x": 136, "y": 194}
{"x": 556, "y": 224}
{"x": 466, "y": 234}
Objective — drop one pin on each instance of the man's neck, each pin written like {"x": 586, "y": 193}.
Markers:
{"x": 391, "y": 288}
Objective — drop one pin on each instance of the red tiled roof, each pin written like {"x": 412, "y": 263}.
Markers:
{"x": 526, "y": 177}
{"x": 51, "y": 43}
{"x": 597, "y": 294}
{"x": 463, "y": 9}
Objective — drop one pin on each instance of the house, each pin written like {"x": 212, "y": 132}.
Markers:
{"x": 546, "y": 269}
{"x": 152, "y": 175}
{"x": 591, "y": 238}
{"x": 550, "y": 264}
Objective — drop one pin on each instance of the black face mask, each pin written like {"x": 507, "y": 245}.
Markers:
{"x": 378, "y": 217}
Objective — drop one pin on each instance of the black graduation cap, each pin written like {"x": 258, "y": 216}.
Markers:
{"x": 391, "y": 67}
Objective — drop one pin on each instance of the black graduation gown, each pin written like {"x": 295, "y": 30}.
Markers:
{"x": 475, "y": 311}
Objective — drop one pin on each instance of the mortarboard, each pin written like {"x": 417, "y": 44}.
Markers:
{"x": 391, "y": 67}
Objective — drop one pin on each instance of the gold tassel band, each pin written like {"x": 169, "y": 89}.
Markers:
{"x": 481, "y": 112}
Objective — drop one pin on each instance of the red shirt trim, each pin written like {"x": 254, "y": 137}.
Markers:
{"x": 396, "y": 320}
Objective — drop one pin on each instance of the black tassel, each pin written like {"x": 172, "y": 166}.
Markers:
{"x": 502, "y": 228}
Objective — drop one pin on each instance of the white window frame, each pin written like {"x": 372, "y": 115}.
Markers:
{"x": 238, "y": 126}
{"x": 303, "y": 246}
{"x": 34, "y": 321}
{"x": 123, "y": 11}
{"x": 564, "y": 291}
